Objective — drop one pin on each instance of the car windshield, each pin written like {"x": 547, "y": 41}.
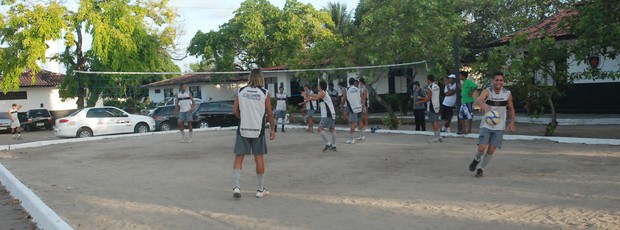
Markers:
{"x": 4, "y": 115}
{"x": 75, "y": 113}
{"x": 39, "y": 113}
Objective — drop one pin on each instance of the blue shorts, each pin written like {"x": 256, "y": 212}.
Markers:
{"x": 280, "y": 114}
{"x": 310, "y": 112}
{"x": 326, "y": 123}
{"x": 466, "y": 111}
{"x": 355, "y": 117}
{"x": 491, "y": 137}
{"x": 432, "y": 116}
{"x": 186, "y": 116}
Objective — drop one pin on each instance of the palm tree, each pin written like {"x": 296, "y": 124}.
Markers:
{"x": 340, "y": 15}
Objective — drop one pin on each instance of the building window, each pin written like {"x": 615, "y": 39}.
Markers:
{"x": 195, "y": 90}
{"x": 157, "y": 91}
{"x": 23, "y": 95}
{"x": 168, "y": 92}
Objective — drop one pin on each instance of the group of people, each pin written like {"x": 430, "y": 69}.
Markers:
{"x": 253, "y": 107}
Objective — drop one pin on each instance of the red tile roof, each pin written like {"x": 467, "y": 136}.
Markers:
{"x": 547, "y": 27}
{"x": 188, "y": 78}
{"x": 43, "y": 79}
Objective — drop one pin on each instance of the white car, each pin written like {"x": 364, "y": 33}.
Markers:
{"x": 95, "y": 121}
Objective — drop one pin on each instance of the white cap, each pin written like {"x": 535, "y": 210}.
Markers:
{"x": 452, "y": 76}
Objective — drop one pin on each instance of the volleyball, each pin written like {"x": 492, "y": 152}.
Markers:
{"x": 492, "y": 118}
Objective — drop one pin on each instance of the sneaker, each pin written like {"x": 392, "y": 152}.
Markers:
{"x": 350, "y": 141}
{"x": 19, "y": 138}
{"x": 183, "y": 140}
{"x": 189, "y": 140}
{"x": 327, "y": 147}
{"x": 14, "y": 138}
{"x": 361, "y": 138}
{"x": 479, "y": 173}
{"x": 435, "y": 140}
{"x": 474, "y": 163}
{"x": 283, "y": 130}
{"x": 443, "y": 129}
{"x": 333, "y": 148}
{"x": 447, "y": 130}
{"x": 236, "y": 192}
{"x": 260, "y": 194}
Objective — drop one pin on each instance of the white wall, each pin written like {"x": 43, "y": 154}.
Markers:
{"x": 222, "y": 91}
{"x": 48, "y": 96}
{"x": 606, "y": 65}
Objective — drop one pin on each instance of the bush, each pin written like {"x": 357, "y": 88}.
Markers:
{"x": 391, "y": 122}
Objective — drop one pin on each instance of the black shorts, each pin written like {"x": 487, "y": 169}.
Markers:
{"x": 447, "y": 112}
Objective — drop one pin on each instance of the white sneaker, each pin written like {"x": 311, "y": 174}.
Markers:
{"x": 189, "y": 140}
{"x": 361, "y": 138}
{"x": 350, "y": 141}
{"x": 447, "y": 130}
{"x": 183, "y": 140}
{"x": 435, "y": 140}
{"x": 443, "y": 129}
{"x": 260, "y": 194}
{"x": 236, "y": 192}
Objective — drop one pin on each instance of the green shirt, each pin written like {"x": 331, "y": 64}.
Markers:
{"x": 468, "y": 87}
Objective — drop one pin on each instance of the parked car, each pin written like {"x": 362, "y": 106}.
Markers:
{"x": 36, "y": 119}
{"x": 5, "y": 122}
{"x": 207, "y": 114}
{"x": 216, "y": 113}
{"x": 95, "y": 121}
{"x": 170, "y": 101}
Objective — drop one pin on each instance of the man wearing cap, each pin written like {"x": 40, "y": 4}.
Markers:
{"x": 448, "y": 103}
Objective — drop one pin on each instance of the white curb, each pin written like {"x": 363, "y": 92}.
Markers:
{"x": 42, "y": 215}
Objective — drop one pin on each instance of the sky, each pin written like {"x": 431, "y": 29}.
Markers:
{"x": 210, "y": 14}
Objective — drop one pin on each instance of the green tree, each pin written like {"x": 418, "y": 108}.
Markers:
{"x": 261, "y": 35}
{"x": 124, "y": 36}
{"x": 396, "y": 31}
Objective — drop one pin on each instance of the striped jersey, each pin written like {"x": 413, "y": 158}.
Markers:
{"x": 252, "y": 111}
{"x": 281, "y": 104}
{"x": 327, "y": 107}
{"x": 497, "y": 102}
{"x": 185, "y": 102}
{"x": 311, "y": 105}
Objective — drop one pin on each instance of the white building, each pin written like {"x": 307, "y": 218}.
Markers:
{"x": 200, "y": 85}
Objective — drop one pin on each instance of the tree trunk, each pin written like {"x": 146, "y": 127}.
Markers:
{"x": 380, "y": 100}
{"x": 550, "y": 128}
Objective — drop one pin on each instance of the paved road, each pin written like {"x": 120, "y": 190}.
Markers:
{"x": 39, "y": 135}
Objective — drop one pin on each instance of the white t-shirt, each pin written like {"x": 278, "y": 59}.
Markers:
{"x": 327, "y": 107}
{"x": 252, "y": 111}
{"x": 281, "y": 104}
{"x": 449, "y": 100}
{"x": 354, "y": 99}
{"x": 497, "y": 102}
{"x": 185, "y": 103}
{"x": 310, "y": 105}
{"x": 15, "y": 123}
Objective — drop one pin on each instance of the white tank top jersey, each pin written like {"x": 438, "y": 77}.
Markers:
{"x": 354, "y": 99}
{"x": 185, "y": 103}
{"x": 13, "y": 114}
{"x": 434, "y": 98}
{"x": 327, "y": 107}
{"x": 281, "y": 104}
{"x": 450, "y": 100}
{"x": 311, "y": 105}
{"x": 252, "y": 111}
{"x": 497, "y": 102}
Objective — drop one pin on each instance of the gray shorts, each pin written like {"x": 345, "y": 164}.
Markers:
{"x": 310, "y": 112}
{"x": 250, "y": 146}
{"x": 185, "y": 116}
{"x": 355, "y": 117}
{"x": 491, "y": 137}
{"x": 433, "y": 117}
{"x": 280, "y": 114}
{"x": 326, "y": 123}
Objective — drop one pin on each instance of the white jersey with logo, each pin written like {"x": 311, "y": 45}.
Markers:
{"x": 354, "y": 99}
{"x": 252, "y": 111}
{"x": 15, "y": 123}
{"x": 434, "y": 98}
{"x": 185, "y": 102}
{"x": 497, "y": 102}
{"x": 310, "y": 105}
{"x": 327, "y": 106}
{"x": 449, "y": 100}
{"x": 281, "y": 104}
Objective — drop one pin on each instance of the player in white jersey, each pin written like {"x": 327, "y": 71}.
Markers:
{"x": 281, "y": 107}
{"x": 252, "y": 103}
{"x": 498, "y": 99}
{"x": 355, "y": 107}
{"x": 310, "y": 107}
{"x": 447, "y": 110}
{"x": 328, "y": 116}
{"x": 432, "y": 99}
{"x": 15, "y": 125}
{"x": 184, "y": 112}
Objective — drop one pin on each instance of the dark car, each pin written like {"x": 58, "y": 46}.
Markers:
{"x": 36, "y": 119}
{"x": 216, "y": 113}
{"x": 164, "y": 118}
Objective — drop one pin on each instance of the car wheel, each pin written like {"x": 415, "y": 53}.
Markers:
{"x": 141, "y": 128}
{"x": 84, "y": 132}
{"x": 164, "y": 126}
{"x": 203, "y": 124}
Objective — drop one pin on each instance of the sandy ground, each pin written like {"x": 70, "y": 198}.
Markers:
{"x": 385, "y": 182}
{"x": 12, "y": 215}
